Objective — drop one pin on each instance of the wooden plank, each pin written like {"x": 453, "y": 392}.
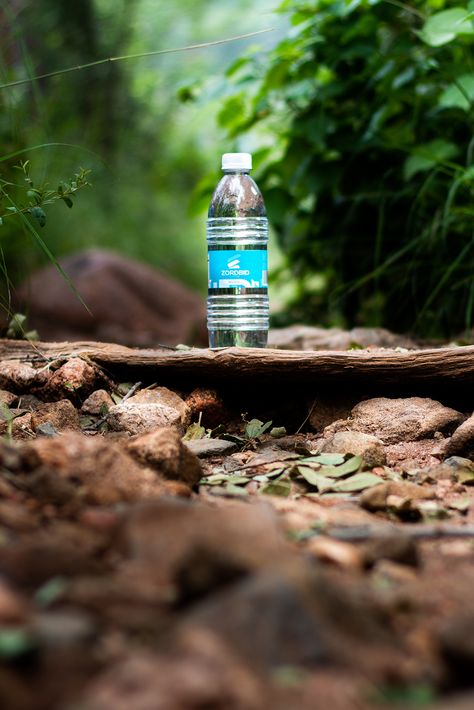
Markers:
{"x": 442, "y": 365}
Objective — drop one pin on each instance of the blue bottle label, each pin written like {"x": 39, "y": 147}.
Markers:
{"x": 238, "y": 269}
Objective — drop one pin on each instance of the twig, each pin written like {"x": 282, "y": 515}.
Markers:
{"x": 306, "y": 419}
{"x": 366, "y": 533}
{"x": 109, "y": 60}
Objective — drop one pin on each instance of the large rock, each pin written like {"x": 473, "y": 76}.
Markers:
{"x": 103, "y": 473}
{"x": 129, "y": 303}
{"x": 148, "y": 410}
{"x": 398, "y": 420}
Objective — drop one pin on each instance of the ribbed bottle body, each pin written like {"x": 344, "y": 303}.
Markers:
{"x": 237, "y": 239}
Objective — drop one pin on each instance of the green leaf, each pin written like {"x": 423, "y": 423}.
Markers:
{"x": 255, "y": 428}
{"x": 444, "y": 26}
{"x": 350, "y": 466}
{"x": 68, "y": 201}
{"x": 326, "y": 459}
{"x": 15, "y": 642}
{"x": 50, "y": 591}
{"x": 277, "y": 488}
{"x": 460, "y": 94}
{"x": 322, "y": 483}
{"x": 194, "y": 431}
{"x": 358, "y": 482}
{"x": 39, "y": 214}
{"x": 277, "y": 432}
{"x": 427, "y": 156}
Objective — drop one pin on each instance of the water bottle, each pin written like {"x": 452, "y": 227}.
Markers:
{"x": 237, "y": 238}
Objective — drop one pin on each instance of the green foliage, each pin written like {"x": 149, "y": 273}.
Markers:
{"x": 368, "y": 175}
{"x": 32, "y": 199}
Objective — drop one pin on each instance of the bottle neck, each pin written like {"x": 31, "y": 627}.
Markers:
{"x": 236, "y": 171}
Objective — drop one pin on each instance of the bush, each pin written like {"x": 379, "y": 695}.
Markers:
{"x": 369, "y": 178}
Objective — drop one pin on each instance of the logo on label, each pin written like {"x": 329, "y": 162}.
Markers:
{"x": 233, "y": 264}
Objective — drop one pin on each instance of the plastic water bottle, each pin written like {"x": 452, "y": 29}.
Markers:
{"x": 237, "y": 238}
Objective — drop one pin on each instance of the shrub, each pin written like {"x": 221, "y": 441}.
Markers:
{"x": 369, "y": 178}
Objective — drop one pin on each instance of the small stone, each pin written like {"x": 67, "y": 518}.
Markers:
{"x": 462, "y": 441}
{"x": 210, "y": 447}
{"x": 20, "y": 427}
{"x": 75, "y": 377}
{"x": 97, "y": 403}
{"x": 339, "y": 553}
{"x": 354, "y": 442}
{"x": 398, "y": 548}
{"x": 18, "y": 376}
{"x": 7, "y": 398}
{"x": 12, "y": 607}
{"x": 164, "y": 451}
{"x": 62, "y": 415}
{"x": 149, "y": 409}
{"x": 60, "y": 629}
{"x": 376, "y": 498}
{"x": 207, "y": 405}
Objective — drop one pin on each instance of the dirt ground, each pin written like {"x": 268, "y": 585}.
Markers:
{"x": 162, "y": 549}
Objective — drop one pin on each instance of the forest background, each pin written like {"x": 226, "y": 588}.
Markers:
{"x": 358, "y": 113}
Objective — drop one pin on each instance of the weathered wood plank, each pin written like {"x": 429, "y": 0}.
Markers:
{"x": 446, "y": 365}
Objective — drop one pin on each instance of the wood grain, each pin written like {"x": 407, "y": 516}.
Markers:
{"x": 436, "y": 366}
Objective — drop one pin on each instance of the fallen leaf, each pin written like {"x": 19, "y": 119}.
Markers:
{"x": 194, "y": 431}
{"x": 277, "y": 488}
{"x": 326, "y": 459}
{"x": 358, "y": 482}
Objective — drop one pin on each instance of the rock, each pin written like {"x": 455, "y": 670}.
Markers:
{"x": 409, "y": 455}
{"x": 196, "y": 548}
{"x": 354, "y": 442}
{"x": 462, "y": 441}
{"x": 20, "y": 377}
{"x": 202, "y": 673}
{"x": 268, "y": 620}
{"x": 210, "y": 447}
{"x": 62, "y": 415}
{"x": 7, "y": 398}
{"x": 336, "y": 552}
{"x": 304, "y": 337}
{"x": 148, "y": 410}
{"x": 62, "y": 629}
{"x": 398, "y": 548}
{"x": 13, "y": 608}
{"x": 97, "y": 403}
{"x": 21, "y": 427}
{"x": 376, "y": 498}
{"x": 163, "y": 450}
{"x": 456, "y": 639}
{"x": 76, "y": 378}
{"x": 400, "y": 420}
{"x": 103, "y": 473}
{"x": 207, "y": 405}
{"x": 131, "y": 303}
{"x": 326, "y": 412}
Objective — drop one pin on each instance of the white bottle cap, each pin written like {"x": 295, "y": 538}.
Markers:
{"x": 237, "y": 161}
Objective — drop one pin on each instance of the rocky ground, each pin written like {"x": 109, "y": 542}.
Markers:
{"x": 162, "y": 550}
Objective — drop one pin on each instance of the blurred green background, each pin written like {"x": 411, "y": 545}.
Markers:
{"x": 359, "y": 114}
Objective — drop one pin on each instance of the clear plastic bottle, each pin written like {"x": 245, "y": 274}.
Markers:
{"x": 237, "y": 238}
